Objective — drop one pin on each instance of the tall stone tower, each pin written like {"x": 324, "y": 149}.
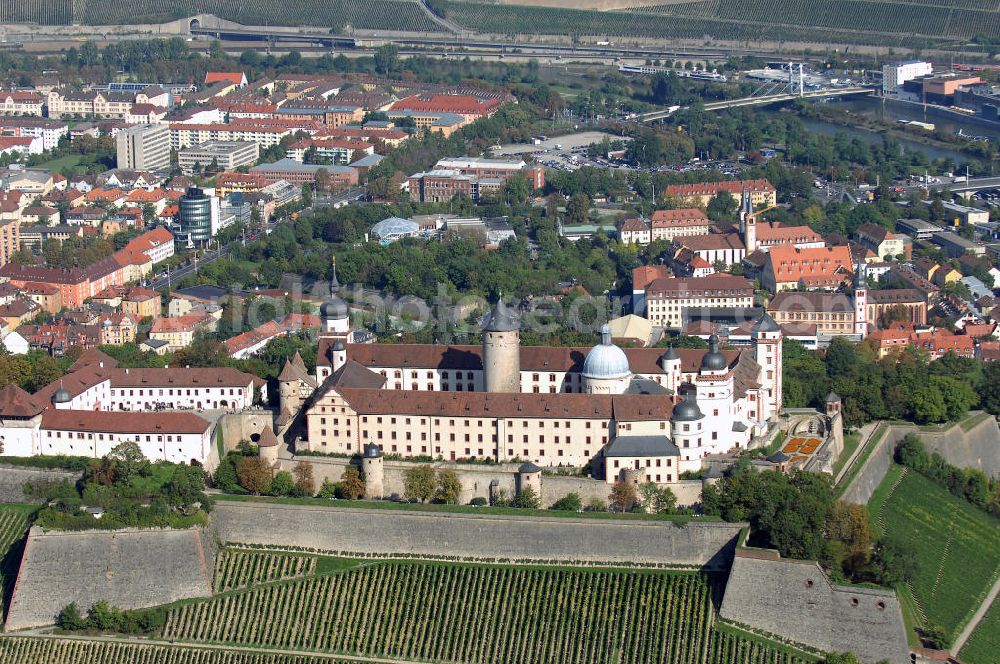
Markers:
{"x": 767, "y": 339}
{"x": 501, "y": 350}
{"x": 373, "y": 471}
{"x": 861, "y": 300}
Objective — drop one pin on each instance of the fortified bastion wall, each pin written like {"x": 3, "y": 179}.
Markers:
{"x": 794, "y": 599}
{"x": 978, "y": 448}
{"x": 396, "y": 532}
{"x": 14, "y": 478}
{"x": 130, "y": 569}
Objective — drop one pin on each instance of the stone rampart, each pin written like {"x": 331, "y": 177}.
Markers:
{"x": 396, "y": 532}
{"x": 130, "y": 569}
{"x": 476, "y": 480}
{"x": 979, "y": 448}
{"x": 795, "y": 600}
{"x": 14, "y": 478}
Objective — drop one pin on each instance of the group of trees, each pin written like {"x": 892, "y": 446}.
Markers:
{"x": 904, "y": 385}
{"x": 131, "y": 491}
{"x": 970, "y": 484}
{"x": 798, "y": 514}
{"x": 244, "y": 471}
{"x": 422, "y": 484}
{"x": 32, "y": 371}
{"x": 103, "y": 617}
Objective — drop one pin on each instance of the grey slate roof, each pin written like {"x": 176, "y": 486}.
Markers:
{"x": 641, "y": 446}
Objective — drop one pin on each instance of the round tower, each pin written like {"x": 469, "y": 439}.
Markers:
{"x": 502, "y": 350}
{"x": 338, "y": 355}
{"x": 62, "y": 398}
{"x": 606, "y": 370}
{"x": 670, "y": 362}
{"x": 374, "y": 472}
{"x": 267, "y": 446}
{"x": 767, "y": 339}
{"x": 529, "y": 476}
{"x": 687, "y": 424}
{"x": 632, "y": 476}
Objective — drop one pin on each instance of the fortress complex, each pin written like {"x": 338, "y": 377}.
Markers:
{"x": 645, "y": 414}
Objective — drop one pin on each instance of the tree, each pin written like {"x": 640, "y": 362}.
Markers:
{"x": 70, "y": 618}
{"x": 103, "y": 616}
{"x": 569, "y": 503}
{"x": 928, "y": 405}
{"x": 283, "y": 484}
{"x": 893, "y": 563}
{"x": 623, "y": 496}
{"x": 449, "y": 487}
{"x": 657, "y": 500}
{"x": 225, "y": 477}
{"x": 527, "y": 499}
{"x": 418, "y": 483}
{"x": 129, "y": 461}
{"x": 328, "y": 490}
{"x": 386, "y": 59}
{"x": 578, "y": 209}
{"x": 254, "y": 475}
{"x": 323, "y": 180}
{"x": 722, "y": 207}
{"x": 305, "y": 485}
{"x": 352, "y": 486}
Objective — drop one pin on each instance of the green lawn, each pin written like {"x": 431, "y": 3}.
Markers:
{"x": 65, "y": 162}
{"x": 984, "y": 644}
{"x": 851, "y": 441}
{"x": 14, "y": 522}
{"x": 957, "y": 545}
{"x": 863, "y": 457}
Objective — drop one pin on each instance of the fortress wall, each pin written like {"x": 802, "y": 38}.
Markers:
{"x": 13, "y": 479}
{"x": 130, "y": 569}
{"x": 977, "y": 448}
{"x": 384, "y": 531}
{"x": 476, "y": 480}
{"x": 795, "y": 600}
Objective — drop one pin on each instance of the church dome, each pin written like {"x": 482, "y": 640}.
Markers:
{"x": 670, "y": 355}
{"x": 766, "y": 324}
{"x": 62, "y": 395}
{"x": 606, "y": 360}
{"x": 334, "y": 308}
{"x": 713, "y": 360}
{"x": 687, "y": 410}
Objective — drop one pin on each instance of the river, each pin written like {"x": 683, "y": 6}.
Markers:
{"x": 892, "y": 112}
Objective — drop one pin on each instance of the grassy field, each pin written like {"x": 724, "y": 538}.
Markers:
{"x": 859, "y": 463}
{"x": 851, "y": 441}
{"x": 957, "y": 546}
{"x": 984, "y": 644}
{"x": 14, "y": 522}
{"x": 478, "y": 614}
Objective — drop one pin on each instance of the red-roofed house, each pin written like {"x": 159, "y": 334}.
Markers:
{"x": 788, "y": 268}
{"x": 235, "y": 78}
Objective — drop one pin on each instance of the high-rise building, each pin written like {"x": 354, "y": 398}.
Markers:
{"x": 897, "y": 73}
{"x": 144, "y": 148}
{"x": 197, "y": 219}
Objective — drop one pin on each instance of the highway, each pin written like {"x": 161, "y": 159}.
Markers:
{"x": 167, "y": 279}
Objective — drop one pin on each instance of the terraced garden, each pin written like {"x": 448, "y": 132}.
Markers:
{"x": 984, "y": 644}
{"x": 14, "y": 522}
{"x": 19, "y": 650}
{"x": 480, "y": 614}
{"x": 241, "y": 569}
{"x": 960, "y": 19}
{"x": 957, "y": 546}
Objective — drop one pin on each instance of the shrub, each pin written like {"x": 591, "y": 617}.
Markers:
{"x": 527, "y": 499}
{"x": 449, "y": 487}
{"x": 569, "y": 503}
{"x": 283, "y": 484}
{"x": 478, "y": 501}
{"x": 352, "y": 486}
{"x": 328, "y": 490}
{"x": 254, "y": 475}
{"x": 418, "y": 483}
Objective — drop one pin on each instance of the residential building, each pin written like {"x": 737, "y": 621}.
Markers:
{"x": 94, "y": 103}
{"x": 881, "y": 240}
{"x": 21, "y": 102}
{"x": 760, "y": 192}
{"x": 788, "y": 268}
{"x": 179, "y": 331}
{"x": 144, "y": 147}
{"x": 665, "y": 225}
{"x": 642, "y": 277}
{"x": 668, "y": 300}
{"x": 217, "y": 156}
{"x": 299, "y": 174}
{"x": 46, "y": 296}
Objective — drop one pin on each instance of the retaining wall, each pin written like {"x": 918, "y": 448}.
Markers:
{"x": 476, "y": 480}
{"x": 794, "y": 599}
{"x": 130, "y": 569}
{"x": 384, "y": 531}
{"x": 977, "y": 448}
{"x": 14, "y": 478}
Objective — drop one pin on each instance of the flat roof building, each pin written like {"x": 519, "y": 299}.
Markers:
{"x": 144, "y": 148}
{"x": 217, "y": 156}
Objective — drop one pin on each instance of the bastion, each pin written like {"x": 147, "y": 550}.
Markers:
{"x": 130, "y": 569}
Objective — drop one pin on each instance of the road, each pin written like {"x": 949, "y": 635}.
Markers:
{"x": 211, "y": 255}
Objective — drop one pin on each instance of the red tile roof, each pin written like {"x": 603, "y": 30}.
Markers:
{"x": 94, "y": 421}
